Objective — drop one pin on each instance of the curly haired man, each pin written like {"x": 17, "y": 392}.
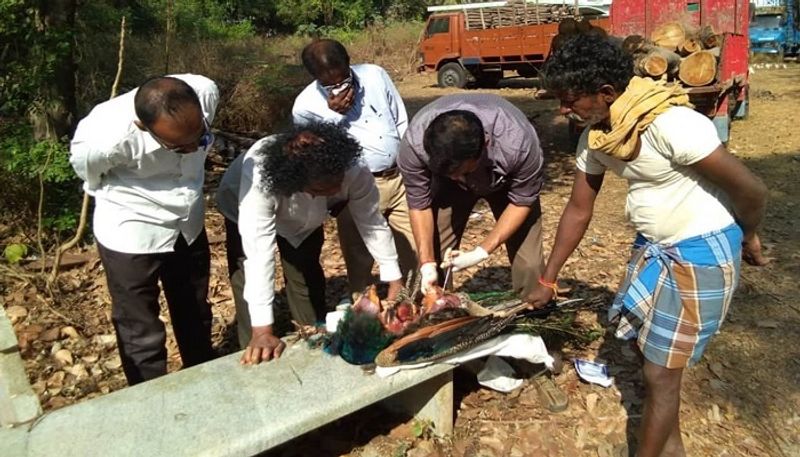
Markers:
{"x": 278, "y": 194}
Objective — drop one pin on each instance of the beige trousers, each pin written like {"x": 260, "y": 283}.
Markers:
{"x": 357, "y": 258}
{"x": 452, "y": 206}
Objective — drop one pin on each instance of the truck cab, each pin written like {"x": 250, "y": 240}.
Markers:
{"x": 773, "y": 28}
{"x": 478, "y": 42}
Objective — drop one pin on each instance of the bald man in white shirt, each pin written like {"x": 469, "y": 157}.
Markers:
{"x": 141, "y": 156}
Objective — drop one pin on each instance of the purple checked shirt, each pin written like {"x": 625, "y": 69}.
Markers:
{"x": 512, "y": 162}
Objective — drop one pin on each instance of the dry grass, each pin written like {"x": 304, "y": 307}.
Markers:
{"x": 259, "y": 77}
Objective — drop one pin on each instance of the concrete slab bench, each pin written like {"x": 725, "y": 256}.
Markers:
{"x": 221, "y": 408}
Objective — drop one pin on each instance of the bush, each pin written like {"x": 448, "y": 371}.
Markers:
{"x": 21, "y": 160}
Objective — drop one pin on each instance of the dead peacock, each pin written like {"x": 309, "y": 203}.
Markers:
{"x": 416, "y": 328}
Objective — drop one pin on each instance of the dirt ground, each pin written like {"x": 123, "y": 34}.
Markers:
{"x": 742, "y": 399}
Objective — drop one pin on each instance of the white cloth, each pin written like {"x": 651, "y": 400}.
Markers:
{"x": 144, "y": 195}
{"x": 378, "y": 118}
{"x": 261, "y": 215}
{"x": 667, "y": 200}
{"x": 517, "y": 345}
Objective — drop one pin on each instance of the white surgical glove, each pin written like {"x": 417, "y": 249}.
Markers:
{"x": 460, "y": 260}
{"x": 430, "y": 278}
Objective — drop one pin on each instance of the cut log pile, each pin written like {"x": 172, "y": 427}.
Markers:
{"x": 517, "y": 14}
{"x": 676, "y": 52}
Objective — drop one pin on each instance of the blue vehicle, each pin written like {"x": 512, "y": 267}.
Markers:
{"x": 774, "y": 27}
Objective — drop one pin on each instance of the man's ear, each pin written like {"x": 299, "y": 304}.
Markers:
{"x": 140, "y": 125}
{"x": 608, "y": 93}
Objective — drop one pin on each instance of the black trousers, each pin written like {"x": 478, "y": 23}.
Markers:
{"x": 133, "y": 284}
{"x": 302, "y": 273}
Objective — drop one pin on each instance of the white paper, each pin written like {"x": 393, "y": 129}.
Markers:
{"x": 593, "y": 372}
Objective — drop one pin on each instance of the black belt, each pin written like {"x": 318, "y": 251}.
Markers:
{"x": 387, "y": 173}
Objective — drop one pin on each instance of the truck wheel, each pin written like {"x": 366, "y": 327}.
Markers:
{"x": 452, "y": 75}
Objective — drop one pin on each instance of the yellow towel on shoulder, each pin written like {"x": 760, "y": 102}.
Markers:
{"x": 630, "y": 114}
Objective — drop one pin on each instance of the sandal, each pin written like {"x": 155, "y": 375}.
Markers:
{"x": 553, "y": 398}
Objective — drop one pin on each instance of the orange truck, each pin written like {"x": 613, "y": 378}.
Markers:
{"x": 477, "y": 43}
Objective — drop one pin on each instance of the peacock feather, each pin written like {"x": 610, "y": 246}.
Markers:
{"x": 360, "y": 337}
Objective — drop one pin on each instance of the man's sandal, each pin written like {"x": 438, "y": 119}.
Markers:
{"x": 551, "y": 396}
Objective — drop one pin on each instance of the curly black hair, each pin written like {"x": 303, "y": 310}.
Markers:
{"x": 586, "y": 62}
{"x": 309, "y": 153}
{"x": 452, "y": 138}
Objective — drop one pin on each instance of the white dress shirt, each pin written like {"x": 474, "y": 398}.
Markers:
{"x": 377, "y": 119}
{"x": 261, "y": 215}
{"x": 144, "y": 195}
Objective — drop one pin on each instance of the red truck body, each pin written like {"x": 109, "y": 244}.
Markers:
{"x": 727, "y": 97}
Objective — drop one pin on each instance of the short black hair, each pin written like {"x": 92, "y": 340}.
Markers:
{"x": 452, "y": 138}
{"x": 163, "y": 95}
{"x": 308, "y": 153}
{"x": 584, "y": 63}
{"x": 325, "y": 54}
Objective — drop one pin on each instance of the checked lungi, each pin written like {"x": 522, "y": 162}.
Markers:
{"x": 675, "y": 297}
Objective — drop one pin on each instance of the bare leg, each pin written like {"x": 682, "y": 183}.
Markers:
{"x": 660, "y": 432}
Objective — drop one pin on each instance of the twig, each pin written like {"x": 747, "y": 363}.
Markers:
{"x": 85, "y": 204}
{"x": 40, "y": 208}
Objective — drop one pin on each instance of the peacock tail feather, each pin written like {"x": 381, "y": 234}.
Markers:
{"x": 360, "y": 337}
{"x": 442, "y": 340}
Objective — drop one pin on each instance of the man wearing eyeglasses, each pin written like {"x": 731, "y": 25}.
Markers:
{"x": 141, "y": 156}
{"x": 364, "y": 100}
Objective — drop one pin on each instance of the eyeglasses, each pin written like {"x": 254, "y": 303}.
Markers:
{"x": 205, "y": 140}
{"x": 337, "y": 88}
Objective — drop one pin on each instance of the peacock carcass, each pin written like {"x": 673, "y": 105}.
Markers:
{"x": 418, "y": 328}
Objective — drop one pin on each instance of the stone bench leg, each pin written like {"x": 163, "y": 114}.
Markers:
{"x": 18, "y": 402}
{"x": 431, "y": 401}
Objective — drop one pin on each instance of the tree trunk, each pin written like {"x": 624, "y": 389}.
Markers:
{"x": 689, "y": 46}
{"x": 669, "y": 35}
{"x": 56, "y": 115}
{"x": 709, "y": 38}
{"x": 655, "y": 62}
{"x": 699, "y": 69}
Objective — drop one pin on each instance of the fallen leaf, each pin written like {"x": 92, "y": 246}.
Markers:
{"x": 16, "y": 313}
{"x": 51, "y": 334}
{"x": 112, "y": 363}
{"x": 70, "y": 332}
{"x": 713, "y": 413}
{"x": 78, "y": 370}
{"x": 105, "y": 340}
{"x": 591, "y": 401}
{"x": 767, "y": 323}
{"x": 90, "y": 358}
{"x": 56, "y": 380}
{"x": 63, "y": 356}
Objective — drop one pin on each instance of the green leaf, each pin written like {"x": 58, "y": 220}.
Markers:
{"x": 15, "y": 252}
{"x": 420, "y": 428}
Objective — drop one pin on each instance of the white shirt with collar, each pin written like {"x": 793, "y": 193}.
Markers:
{"x": 262, "y": 215}
{"x": 144, "y": 195}
{"x": 377, "y": 119}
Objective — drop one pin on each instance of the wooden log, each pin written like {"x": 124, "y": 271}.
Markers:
{"x": 633, "y": 44}
{"x": 689, "y": 46}
{"x": 698, "y": 69}
{"x": 708, "y": 37}
{"x": 656, "y": 62}
{"x": 669, "y": 35}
